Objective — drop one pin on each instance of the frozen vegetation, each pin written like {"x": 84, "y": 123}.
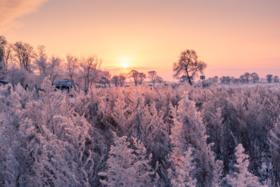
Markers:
{"x": 140, "y": 136}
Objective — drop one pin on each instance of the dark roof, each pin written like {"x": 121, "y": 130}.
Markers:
{"x": 63, "y": 83}
{"x": 4, "y": 82}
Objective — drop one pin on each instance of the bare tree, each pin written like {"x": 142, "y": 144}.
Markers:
{"x": 255, "y": 77}
{"x": 71, "y": 66}
{"x": 104, "y": 78}
{"x": 159, "y": 80}
{"x": 41, "y": 60}
{"x": 122, "y": 78}
{"x": 24, "y": 53}
{"x": 215, "y": 79}
{"x": 89, "y": 70}
{"x": 188, "y": 65}
{"x": 276, "y": 79}
{"x": 137, "y": 77}
{"x": 269, "y": 78}
{"x": 5, "y": 56}
{"x": 118, "y": 80}
{"x": 115, "y": 80}
{"x": 3, "y": 43}
{"x": 16, "y": 75}
{"x": 225, "y": 80}
{"x": 152, "y": 75}
{"x": 53, "y": 68}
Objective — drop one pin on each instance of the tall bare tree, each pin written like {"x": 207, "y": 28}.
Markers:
{"x": 3, "y": 43}
{"x": 71, "y": 66}
{"x": 188, "y": 65}
{"x": 41, "y": 60}
{"x": 24, "y": 54}
{"x": 89, "y": 70}
{"x": 5, "y": 56}
{"x": 53, "y": 68}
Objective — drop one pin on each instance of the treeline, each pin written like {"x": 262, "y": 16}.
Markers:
{"x": 138, "y": 136}
{"x": 21, "y": 63}
{"x": 246, "y": 78}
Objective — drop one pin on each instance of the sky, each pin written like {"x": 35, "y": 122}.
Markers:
{"x": 230, "y": 36}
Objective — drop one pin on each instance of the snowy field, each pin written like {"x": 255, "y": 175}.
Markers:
{"x": 141, "y": 136}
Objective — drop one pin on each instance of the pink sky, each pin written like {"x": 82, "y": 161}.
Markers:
{"x": 231, "y": 36}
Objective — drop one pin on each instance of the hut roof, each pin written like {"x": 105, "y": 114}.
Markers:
{"x": 4, "y": 82}
{"x": 63, "y": 83}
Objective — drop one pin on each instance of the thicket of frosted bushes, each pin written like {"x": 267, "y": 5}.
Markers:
{"x": 138, "y": 136}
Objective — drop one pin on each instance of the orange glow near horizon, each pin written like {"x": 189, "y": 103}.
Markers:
{"x": 230, "y": 36}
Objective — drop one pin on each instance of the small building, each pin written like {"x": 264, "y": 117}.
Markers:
{"x": 64, "y": 84}
{"x": 2, "y": 82}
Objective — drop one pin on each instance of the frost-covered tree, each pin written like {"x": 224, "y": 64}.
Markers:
{"x": 127, "y": 166}
{"x": 24, "y": 54}
{"x": 242, "y": 177}
{"x": 188, "y": 65}
{"x": 89, "y": 70}
{"x": 181, "y": 167}
{"x": 275, "y": 152}
{"x": 189, "y": 131}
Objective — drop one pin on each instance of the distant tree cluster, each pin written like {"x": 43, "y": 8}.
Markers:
{"x": 271, "y": 79}
{"x": 246, "y": 78}
{"x": 21, "y": 63}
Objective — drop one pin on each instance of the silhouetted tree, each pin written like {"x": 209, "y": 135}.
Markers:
{"x": 89, "y": 71}
{"x": 104, "y": 78}
{"x": 41, "y": 60}
{"x": 188, "y": 65}
{"x": 215, "y": 79}
{"x": 225, "y": 80}
{"x": 24, "y": 53}
{"x": 152, "y": 75}
{"x": 269, "y": 78}
{"x": 115, "y": 80}
{"x": 245, "y": 78}
{"x": 276, "y": 79}
{"x": 137, "y": 77}
{"x": 118, "y": 80}
{"x": 3, "y": 43}
{"x": 5, "y": 56}
{"x": 71, "y": 66}
{"x": 255, "y": 77}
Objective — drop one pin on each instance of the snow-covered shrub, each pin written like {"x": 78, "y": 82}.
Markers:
{"x": 242, "y": 177}
{"x": 54, "y": 138}
{"x": 127, "y": 166}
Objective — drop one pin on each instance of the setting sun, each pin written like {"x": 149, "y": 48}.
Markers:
{"x": 124, "y": 61}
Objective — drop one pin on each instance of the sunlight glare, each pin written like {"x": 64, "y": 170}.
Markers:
{"x": 124, "y": 65}
{"x": 124, "y": 62}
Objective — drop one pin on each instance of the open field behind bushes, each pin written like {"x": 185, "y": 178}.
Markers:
{"x": 140, "y": 136}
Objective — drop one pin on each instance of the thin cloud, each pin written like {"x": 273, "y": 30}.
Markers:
{"x": 10, "y": 10}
